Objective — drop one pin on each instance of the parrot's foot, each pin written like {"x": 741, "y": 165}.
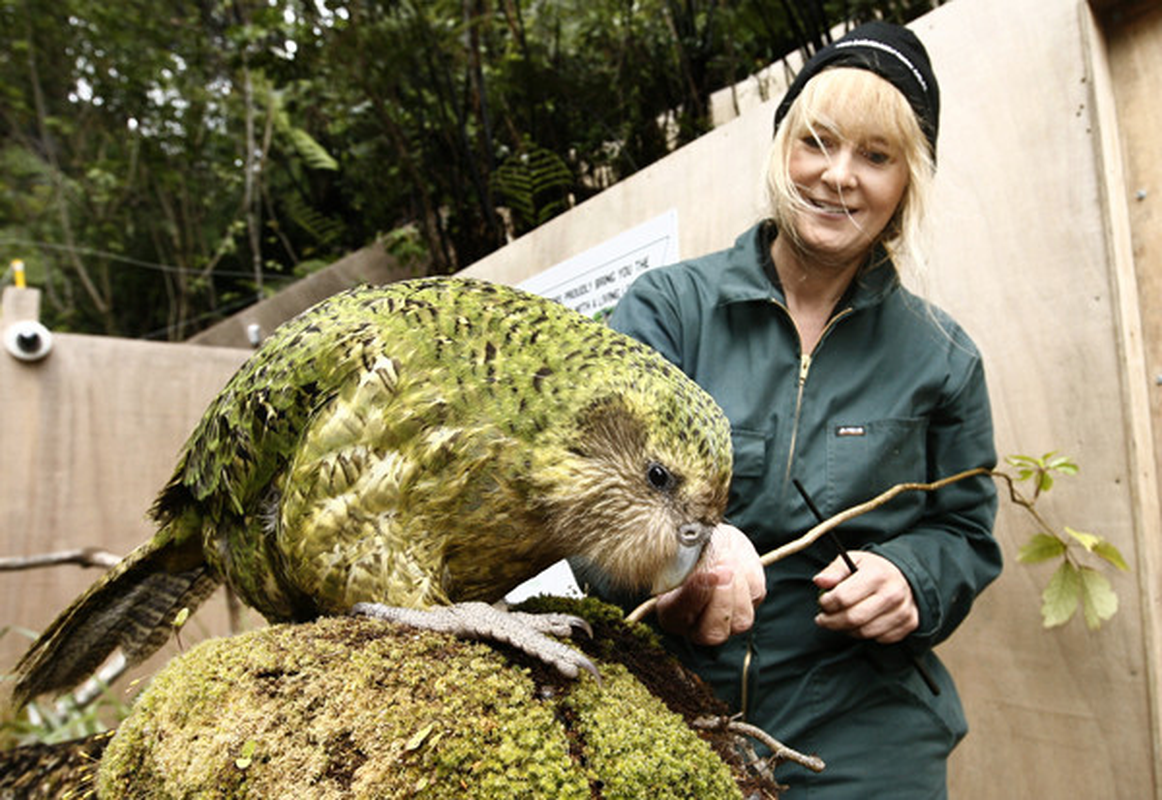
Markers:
{"x": 480, "y": 621}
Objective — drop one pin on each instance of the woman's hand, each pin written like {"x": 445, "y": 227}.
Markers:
{"x": 717, "y": 601}
{"x": 875, "y": 602}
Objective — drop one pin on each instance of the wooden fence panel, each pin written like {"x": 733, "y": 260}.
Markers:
{"x": 88, "y": 436}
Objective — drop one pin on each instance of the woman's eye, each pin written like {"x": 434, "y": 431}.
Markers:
{"x": 817, "y": 142}
{"x": 877, "y": 157}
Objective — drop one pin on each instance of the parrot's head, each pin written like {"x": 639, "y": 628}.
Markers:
{"x": 639, "y": 482}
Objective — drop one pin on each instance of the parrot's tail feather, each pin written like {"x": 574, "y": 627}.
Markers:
{"x": 132, "y": 607}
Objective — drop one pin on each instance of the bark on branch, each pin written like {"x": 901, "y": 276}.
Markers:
{"x": 780, "y": 753}
{"x": 83, "y": 556}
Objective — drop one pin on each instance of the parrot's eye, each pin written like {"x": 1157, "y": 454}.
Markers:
{"x": 659, "y": 477}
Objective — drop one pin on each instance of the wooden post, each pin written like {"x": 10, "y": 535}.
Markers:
{"x": 19, "y": 305}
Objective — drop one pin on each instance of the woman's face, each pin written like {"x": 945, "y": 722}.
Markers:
{"x": 850, "y": 188}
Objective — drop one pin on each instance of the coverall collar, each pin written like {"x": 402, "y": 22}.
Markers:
{"x": 742, "y": 282}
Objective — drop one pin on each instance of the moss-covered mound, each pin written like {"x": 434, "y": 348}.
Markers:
{"x": 360, "y": 708}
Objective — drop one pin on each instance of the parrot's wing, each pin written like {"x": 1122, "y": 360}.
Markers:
{"x": 132, "y": 608}
{"x": 344, "y": 531}
{"x": 396, "y": 495}
{"x": 254, "y": 426}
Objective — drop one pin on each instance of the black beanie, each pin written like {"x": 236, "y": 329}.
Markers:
{"x": 890, "y": 51}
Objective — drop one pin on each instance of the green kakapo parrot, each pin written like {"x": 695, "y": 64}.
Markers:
{"x": 417, "y": 446}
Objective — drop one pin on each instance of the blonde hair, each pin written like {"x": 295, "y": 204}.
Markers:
{"x": 869, "y": 107}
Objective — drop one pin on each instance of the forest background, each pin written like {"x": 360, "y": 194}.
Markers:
{"x": 165, "y": 163}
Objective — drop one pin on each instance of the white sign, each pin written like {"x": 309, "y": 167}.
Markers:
{"x": 558, "y": 580}
{"x": 595, "y": 280}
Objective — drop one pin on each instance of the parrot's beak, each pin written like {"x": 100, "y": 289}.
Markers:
{"x": 692, "y": 539}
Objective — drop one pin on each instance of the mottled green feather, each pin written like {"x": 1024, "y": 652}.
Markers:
{"x": 427, "y": 442}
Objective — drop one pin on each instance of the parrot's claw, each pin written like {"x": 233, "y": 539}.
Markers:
{"x": 553, "y": 623}
{"x": 528, "y": 633}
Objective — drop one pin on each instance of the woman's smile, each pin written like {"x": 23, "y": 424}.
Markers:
{"x": 832, "y": 208}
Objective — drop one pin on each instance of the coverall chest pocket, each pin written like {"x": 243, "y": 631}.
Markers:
{"x": 750, "y": 464}
{"x": 866, "y": 458}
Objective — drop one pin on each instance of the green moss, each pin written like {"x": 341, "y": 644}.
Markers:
{"x": 357, "y": 708}
{"x": 599, "y": 614}
{"x": 636, "y": 747}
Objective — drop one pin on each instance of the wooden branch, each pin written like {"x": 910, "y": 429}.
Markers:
{"x": 85, "y": 557}
{"x": 779, "y": 751}
{"x": 811, "y": 536}
{"x": 95, "y": 686}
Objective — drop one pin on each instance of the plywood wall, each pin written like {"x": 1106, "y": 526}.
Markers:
{"x": 88, "y": 436}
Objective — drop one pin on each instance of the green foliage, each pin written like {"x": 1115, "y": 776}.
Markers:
{"x": 406, "y": 245}
{"x": 1074, "y": 584}
{"x": 52, "y": 723}
{"x": 1042, "y": 547}
{"x": 311, "y": 151}
{"x": 322, "y": 229}
{"x": 161, "y": 170}
{"x": 535, "y": 183}
{"x": 1041, "y": 470}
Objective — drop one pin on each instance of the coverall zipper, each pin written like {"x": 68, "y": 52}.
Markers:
{"x": 805, "y": 361}
{"x": 804, "y": 368}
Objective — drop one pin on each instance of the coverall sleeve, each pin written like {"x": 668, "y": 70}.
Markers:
{"x": 649, "y": 313}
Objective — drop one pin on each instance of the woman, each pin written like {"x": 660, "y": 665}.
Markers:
{"x": 833, "y": 374}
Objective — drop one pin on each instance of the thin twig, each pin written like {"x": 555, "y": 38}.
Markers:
{"x": 85, "y": 557}
{"x": 96, "y": 686}
{"x": 779, "y": 751}
{"x": 1019, "y": 499}
{"x": 811, "y": 536}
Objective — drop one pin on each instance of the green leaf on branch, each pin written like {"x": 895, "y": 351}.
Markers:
{"x": 1060, "y": 598}
{"x": 1098, "y": 600}
{"x": 1042, "y": 469}
{"x": 1072, "y": 586}
{"x": 1087, "y": 540}
{"x": 1041, "y": 547}
{"x": 1100, "y": 547}
{"x": 1111, "y": 555}
{"x": 1027, "y": 466}
{"x": 1062, "y": 464}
